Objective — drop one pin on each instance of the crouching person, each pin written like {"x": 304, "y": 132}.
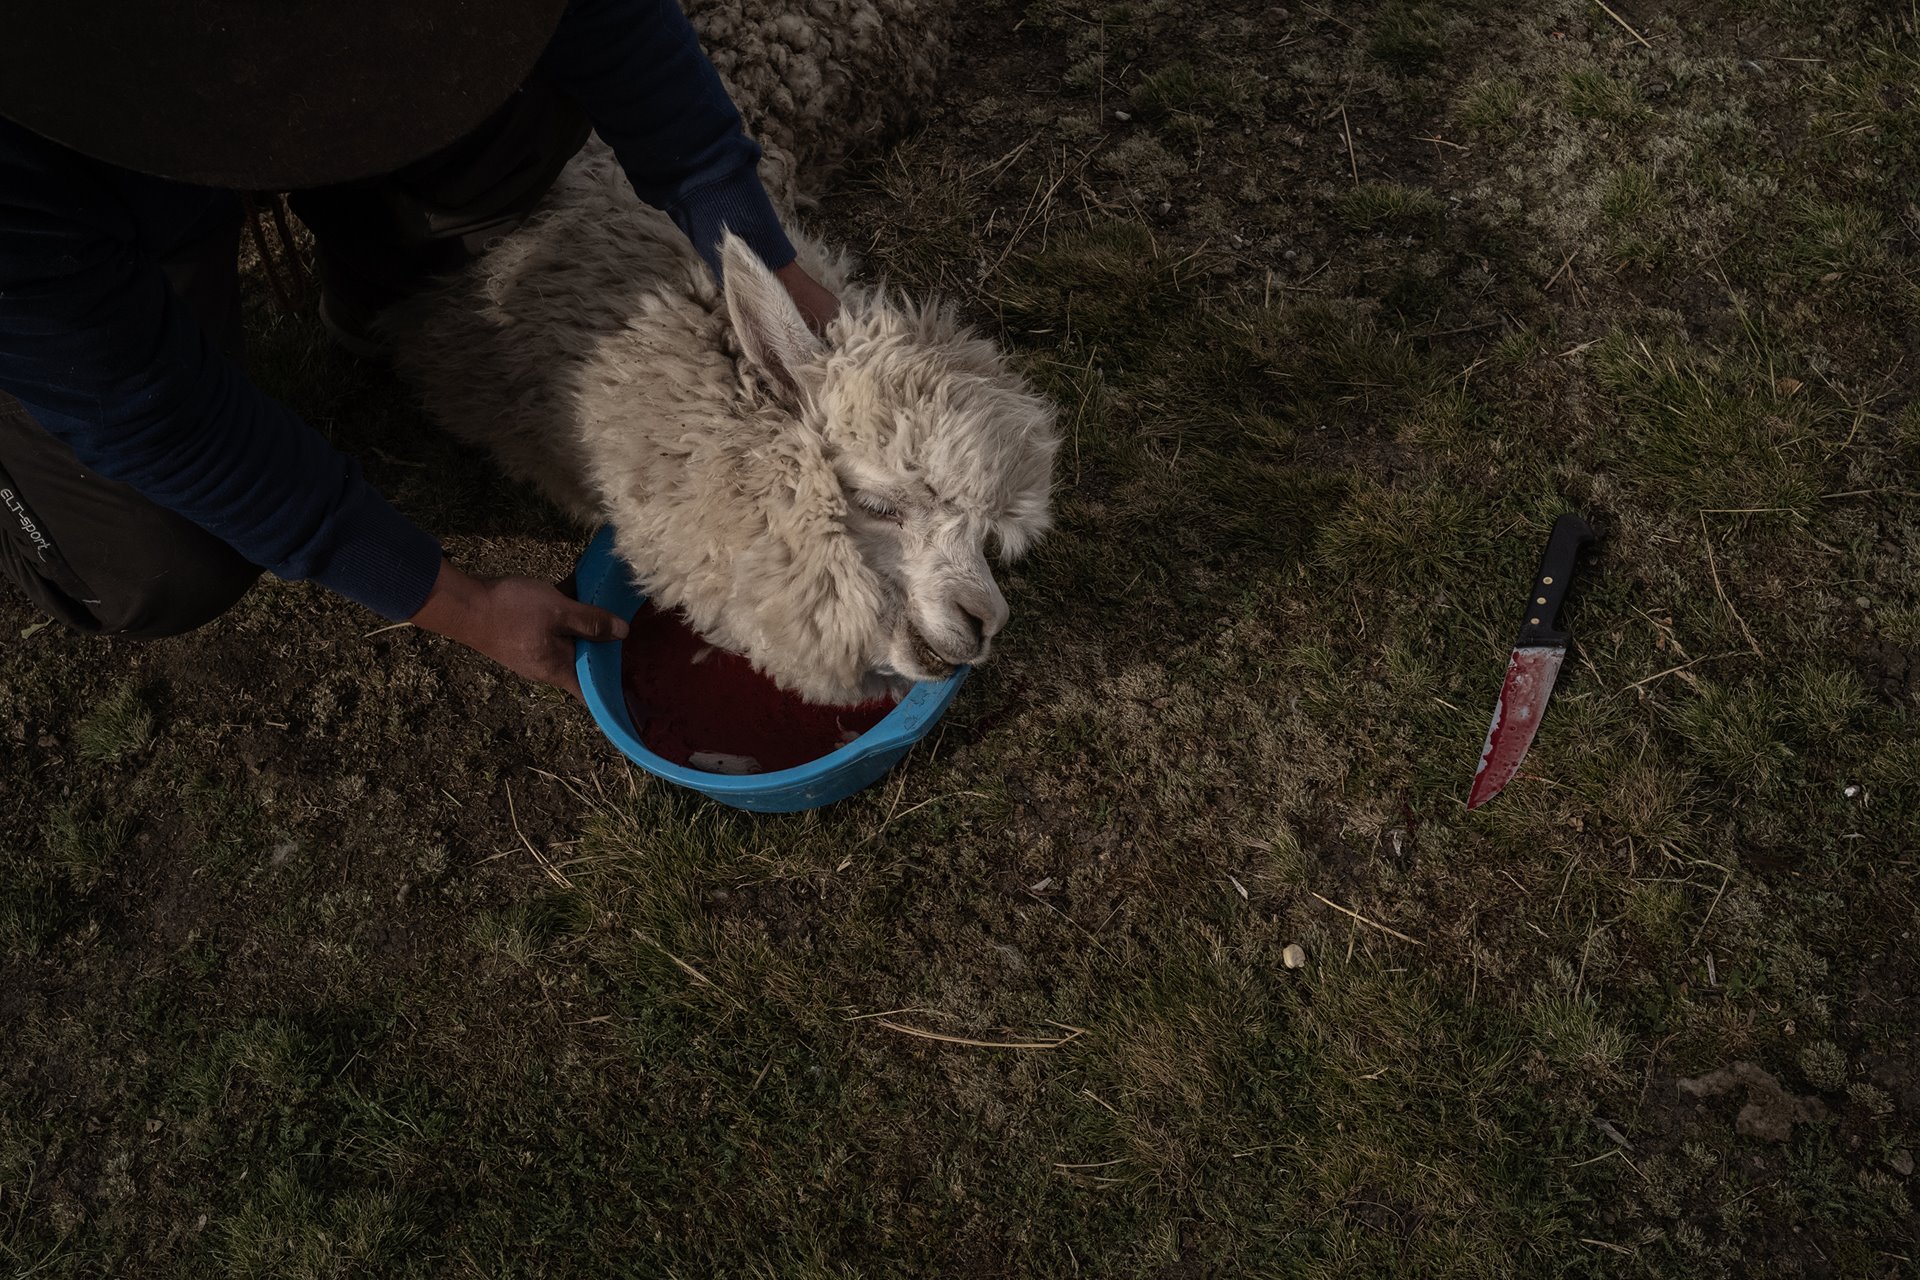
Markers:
{"x": 146, "y": 482}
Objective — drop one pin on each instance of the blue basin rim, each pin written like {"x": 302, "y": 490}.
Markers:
{"x": 601, "y": 579}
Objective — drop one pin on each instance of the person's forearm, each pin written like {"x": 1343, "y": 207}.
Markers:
{"x": 637, "y": 70}
{"x": 109, "y": 360}
{"x": 454, "y": 606}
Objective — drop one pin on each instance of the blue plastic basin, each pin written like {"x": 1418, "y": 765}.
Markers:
{"x": 601, "y": 579}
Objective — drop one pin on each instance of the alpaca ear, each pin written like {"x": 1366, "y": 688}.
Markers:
{"x": 772, "y": 332}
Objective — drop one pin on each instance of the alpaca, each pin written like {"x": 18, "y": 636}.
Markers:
{"x": 815, "y": 79}
{"x": 822, "y": 507}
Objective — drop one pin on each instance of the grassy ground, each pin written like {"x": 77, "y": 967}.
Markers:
{"x": 324, "y": 951}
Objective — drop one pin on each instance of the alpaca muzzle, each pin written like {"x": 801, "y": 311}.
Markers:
{"x": 933, "y": 663}
{"x": 960, "y": 630}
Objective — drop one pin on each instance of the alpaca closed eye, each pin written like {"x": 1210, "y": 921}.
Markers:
{"x": 873, "y": 506}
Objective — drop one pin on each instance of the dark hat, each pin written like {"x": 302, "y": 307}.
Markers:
{"x": 264, "y": 94}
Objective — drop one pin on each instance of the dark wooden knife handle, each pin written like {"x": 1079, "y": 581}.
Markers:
{"x": 1542, "y": 620}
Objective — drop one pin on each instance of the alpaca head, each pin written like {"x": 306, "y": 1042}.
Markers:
{"x": 915, "y": 449}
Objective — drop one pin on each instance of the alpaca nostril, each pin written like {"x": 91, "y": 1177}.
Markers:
{"x": 979, "y": 626}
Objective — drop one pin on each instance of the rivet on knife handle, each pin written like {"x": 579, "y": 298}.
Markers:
{"x": 1541, "y": 624}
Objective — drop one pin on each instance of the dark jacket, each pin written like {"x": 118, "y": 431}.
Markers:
{"x": 99, "y": 349}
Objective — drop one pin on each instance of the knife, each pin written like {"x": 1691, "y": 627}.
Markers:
{"x": 1533, "y": 665}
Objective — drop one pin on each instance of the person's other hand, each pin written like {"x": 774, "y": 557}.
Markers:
{"x": 526, "y": 625}
{"x": 817, "y": 305}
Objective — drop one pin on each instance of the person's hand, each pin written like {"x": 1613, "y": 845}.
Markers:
{"x": 817, "y": 305}
{"x": 526, "y": 625}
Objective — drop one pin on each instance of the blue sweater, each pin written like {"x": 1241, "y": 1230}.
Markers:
{"x": 103, "y": 354}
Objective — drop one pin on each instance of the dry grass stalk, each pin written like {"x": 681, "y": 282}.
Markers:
{"x": 1659, "y": 675}
{"x": 1073, "y": 1033}
{"x": 539, "y": 858}
{"x": 1617, "y": 1248}
{"x": 894, "y": 811}
{"x": 680, "y": 964}
{"x": 1706, "y": 536}
{"x": 573, "y": 787}
{"x": 1372, "y": 924}
{"x": 1623, "y": 23}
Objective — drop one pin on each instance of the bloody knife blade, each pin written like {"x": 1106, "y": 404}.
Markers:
{"x": 1534, "y": 664}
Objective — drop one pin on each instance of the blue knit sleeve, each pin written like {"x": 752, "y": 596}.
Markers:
{"x": 636, "y": 68}
{"x": 97, "y": 346}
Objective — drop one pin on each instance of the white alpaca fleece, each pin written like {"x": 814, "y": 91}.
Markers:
{"x": 816, "y": 79}
{"x": 821, "y": 507}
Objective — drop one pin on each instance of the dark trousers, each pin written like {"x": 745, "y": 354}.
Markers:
{"x": 97, "y": 556}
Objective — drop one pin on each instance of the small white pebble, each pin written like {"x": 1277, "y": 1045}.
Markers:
{"x": 1294, "y": 957}
{"x": 1122, "y": 116}
{"x": 1850, "y": 791}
